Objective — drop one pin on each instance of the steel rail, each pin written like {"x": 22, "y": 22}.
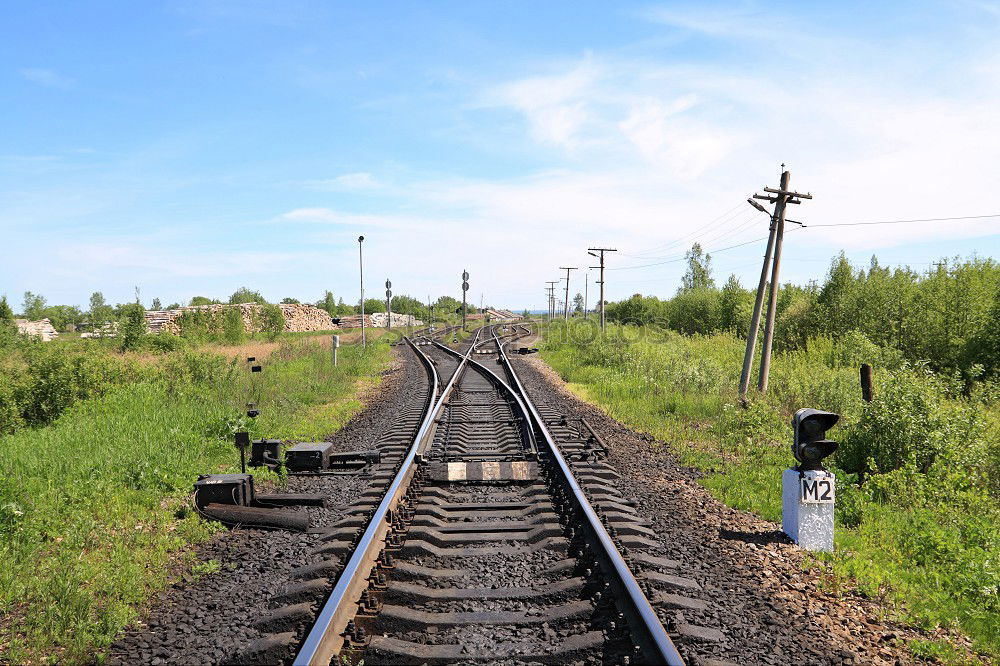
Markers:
{"x": 667, "y": 651}
{"x": 326, "y": 637}
{"x": 533, "y": 445}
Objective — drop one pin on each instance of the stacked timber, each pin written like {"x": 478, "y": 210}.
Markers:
{"x": 40, "y": 329}
{"x": 298, "y": 317}
{"x": 304, "y": 317}
{"x": 379, "y": 320}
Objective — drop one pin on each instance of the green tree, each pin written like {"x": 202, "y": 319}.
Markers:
{"x": 157, "y": 305}
{"x": 131, "y": 326}
{"x": 100, "y": 312}
{"x": 446, "y": 306}
{"x": 202, "y": 300}
{"x": 173, "y": 306}
{"x": 234, "y": 330}
{"x": 343, "y": 308}
{"x": 63, "y": 317}
{"x": 735, "y": 307}
{"x": 374, "y": 305}
{"x": 328, "y": 303}
{"x": 288, "y": 300}
{"x": 245, "y": 295}
{"x": 271, "y": 321}
{"x": 699, "y": 270}
{"x": 578, "y": 303}
{"x": 33, "y": 306}
{"x": 7, "y": 323}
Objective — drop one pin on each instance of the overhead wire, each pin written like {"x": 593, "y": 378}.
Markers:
{"x": 711, "y": 225}
{"x": 680, "y": 258}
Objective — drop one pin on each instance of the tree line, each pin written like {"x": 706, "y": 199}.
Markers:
{"x": 100, "y": 313}
{"x": 947, "y": 315}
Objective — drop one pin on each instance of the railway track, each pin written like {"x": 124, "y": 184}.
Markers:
{"x": 492, "y": 533}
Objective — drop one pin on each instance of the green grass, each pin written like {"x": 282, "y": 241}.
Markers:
{"x": 930, "y": 555}
{"x": 94, "y": 508}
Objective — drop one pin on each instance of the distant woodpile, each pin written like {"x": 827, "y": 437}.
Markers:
{"x": 495, "y": 315}
{"x": 40, "y": 329}
{"x": 378, "y": 320}
{"x": 298, "y": 317}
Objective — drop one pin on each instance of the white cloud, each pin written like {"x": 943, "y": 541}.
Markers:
{"x": 46, "y": 77}
{"x": 360, "y": 180}
{"x": 144, "y": 262}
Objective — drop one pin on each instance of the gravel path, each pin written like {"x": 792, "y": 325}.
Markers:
{"x": 770, "y": 609}
{"x": 208, "y": 619}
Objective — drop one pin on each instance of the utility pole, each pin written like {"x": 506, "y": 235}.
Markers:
{"x": 430, "y": 314}
{"x": 780, "y": 198}
{"x": 602, "y": 250}
{"x": 566, "y": 303}
{"x": 361, "y": 268}
{"x": 586, "y": 287}
{"x": 552, "y": 298}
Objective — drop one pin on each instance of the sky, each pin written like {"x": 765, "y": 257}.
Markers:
{"x": 192, "y": 147}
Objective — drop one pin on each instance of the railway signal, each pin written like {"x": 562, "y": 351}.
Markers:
{"x": 808, "y": 491}
{"x": 809, "y": 443}
{"x": 388, "y": 304}
{"x": 465, "y": 288}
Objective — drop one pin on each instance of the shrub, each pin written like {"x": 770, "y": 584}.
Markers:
{"x": 132, "y": 327}
{"x": 912, "y": 423}
{"x": 233, "y": 330}
{"x": 270, "y": 321}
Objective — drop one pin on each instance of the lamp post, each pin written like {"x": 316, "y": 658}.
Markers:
{"x": 361, "y": 267}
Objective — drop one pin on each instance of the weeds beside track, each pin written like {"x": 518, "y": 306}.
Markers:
{"x": 93, "y": 508}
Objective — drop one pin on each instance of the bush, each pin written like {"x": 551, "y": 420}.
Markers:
{"x": 916, "y": 419}
{"x": 270, "y": 321}
{"x": 132, "y": 327}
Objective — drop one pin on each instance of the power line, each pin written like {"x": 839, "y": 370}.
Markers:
{"x": 813, "y": 226}
{"x": 929, "y": 219}
{"x": 684, "y": 258}
{"x": 711, "y": 224}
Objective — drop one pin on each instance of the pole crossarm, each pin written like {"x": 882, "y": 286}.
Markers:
{"x": 788, "y": 193}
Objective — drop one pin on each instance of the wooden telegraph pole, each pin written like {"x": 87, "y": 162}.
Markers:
{"x": 602, "y": 250}
{"x": 780, "y": 197}
{"x": 566, "y": 303}
{"x": 552, "y": 298}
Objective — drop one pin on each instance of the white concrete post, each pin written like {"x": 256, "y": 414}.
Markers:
{"x": 335, "y": 345}
{"x": 807, "y": 500}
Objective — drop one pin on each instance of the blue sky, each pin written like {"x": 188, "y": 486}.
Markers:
{"x": 194, "y": 147}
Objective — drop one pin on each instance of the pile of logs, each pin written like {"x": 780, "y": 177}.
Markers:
{"x": 298, "y": 317}
{"x": 379, "y": 320}
{"x": 42, "y": 329}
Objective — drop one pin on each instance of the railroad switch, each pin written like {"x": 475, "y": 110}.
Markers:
{"x": 234, "y": 489}
{"x": 354, "y": 460}
{"x": 308, "y": 457}
{"x": 265, "y": 452}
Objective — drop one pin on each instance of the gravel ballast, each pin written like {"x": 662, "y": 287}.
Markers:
{"x": 767, "y": 606}
{"x": 209, "y": 619}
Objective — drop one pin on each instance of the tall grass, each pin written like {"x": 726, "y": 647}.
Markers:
{"x": 918, "y": 522}
{"x": 94, "y": 507}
